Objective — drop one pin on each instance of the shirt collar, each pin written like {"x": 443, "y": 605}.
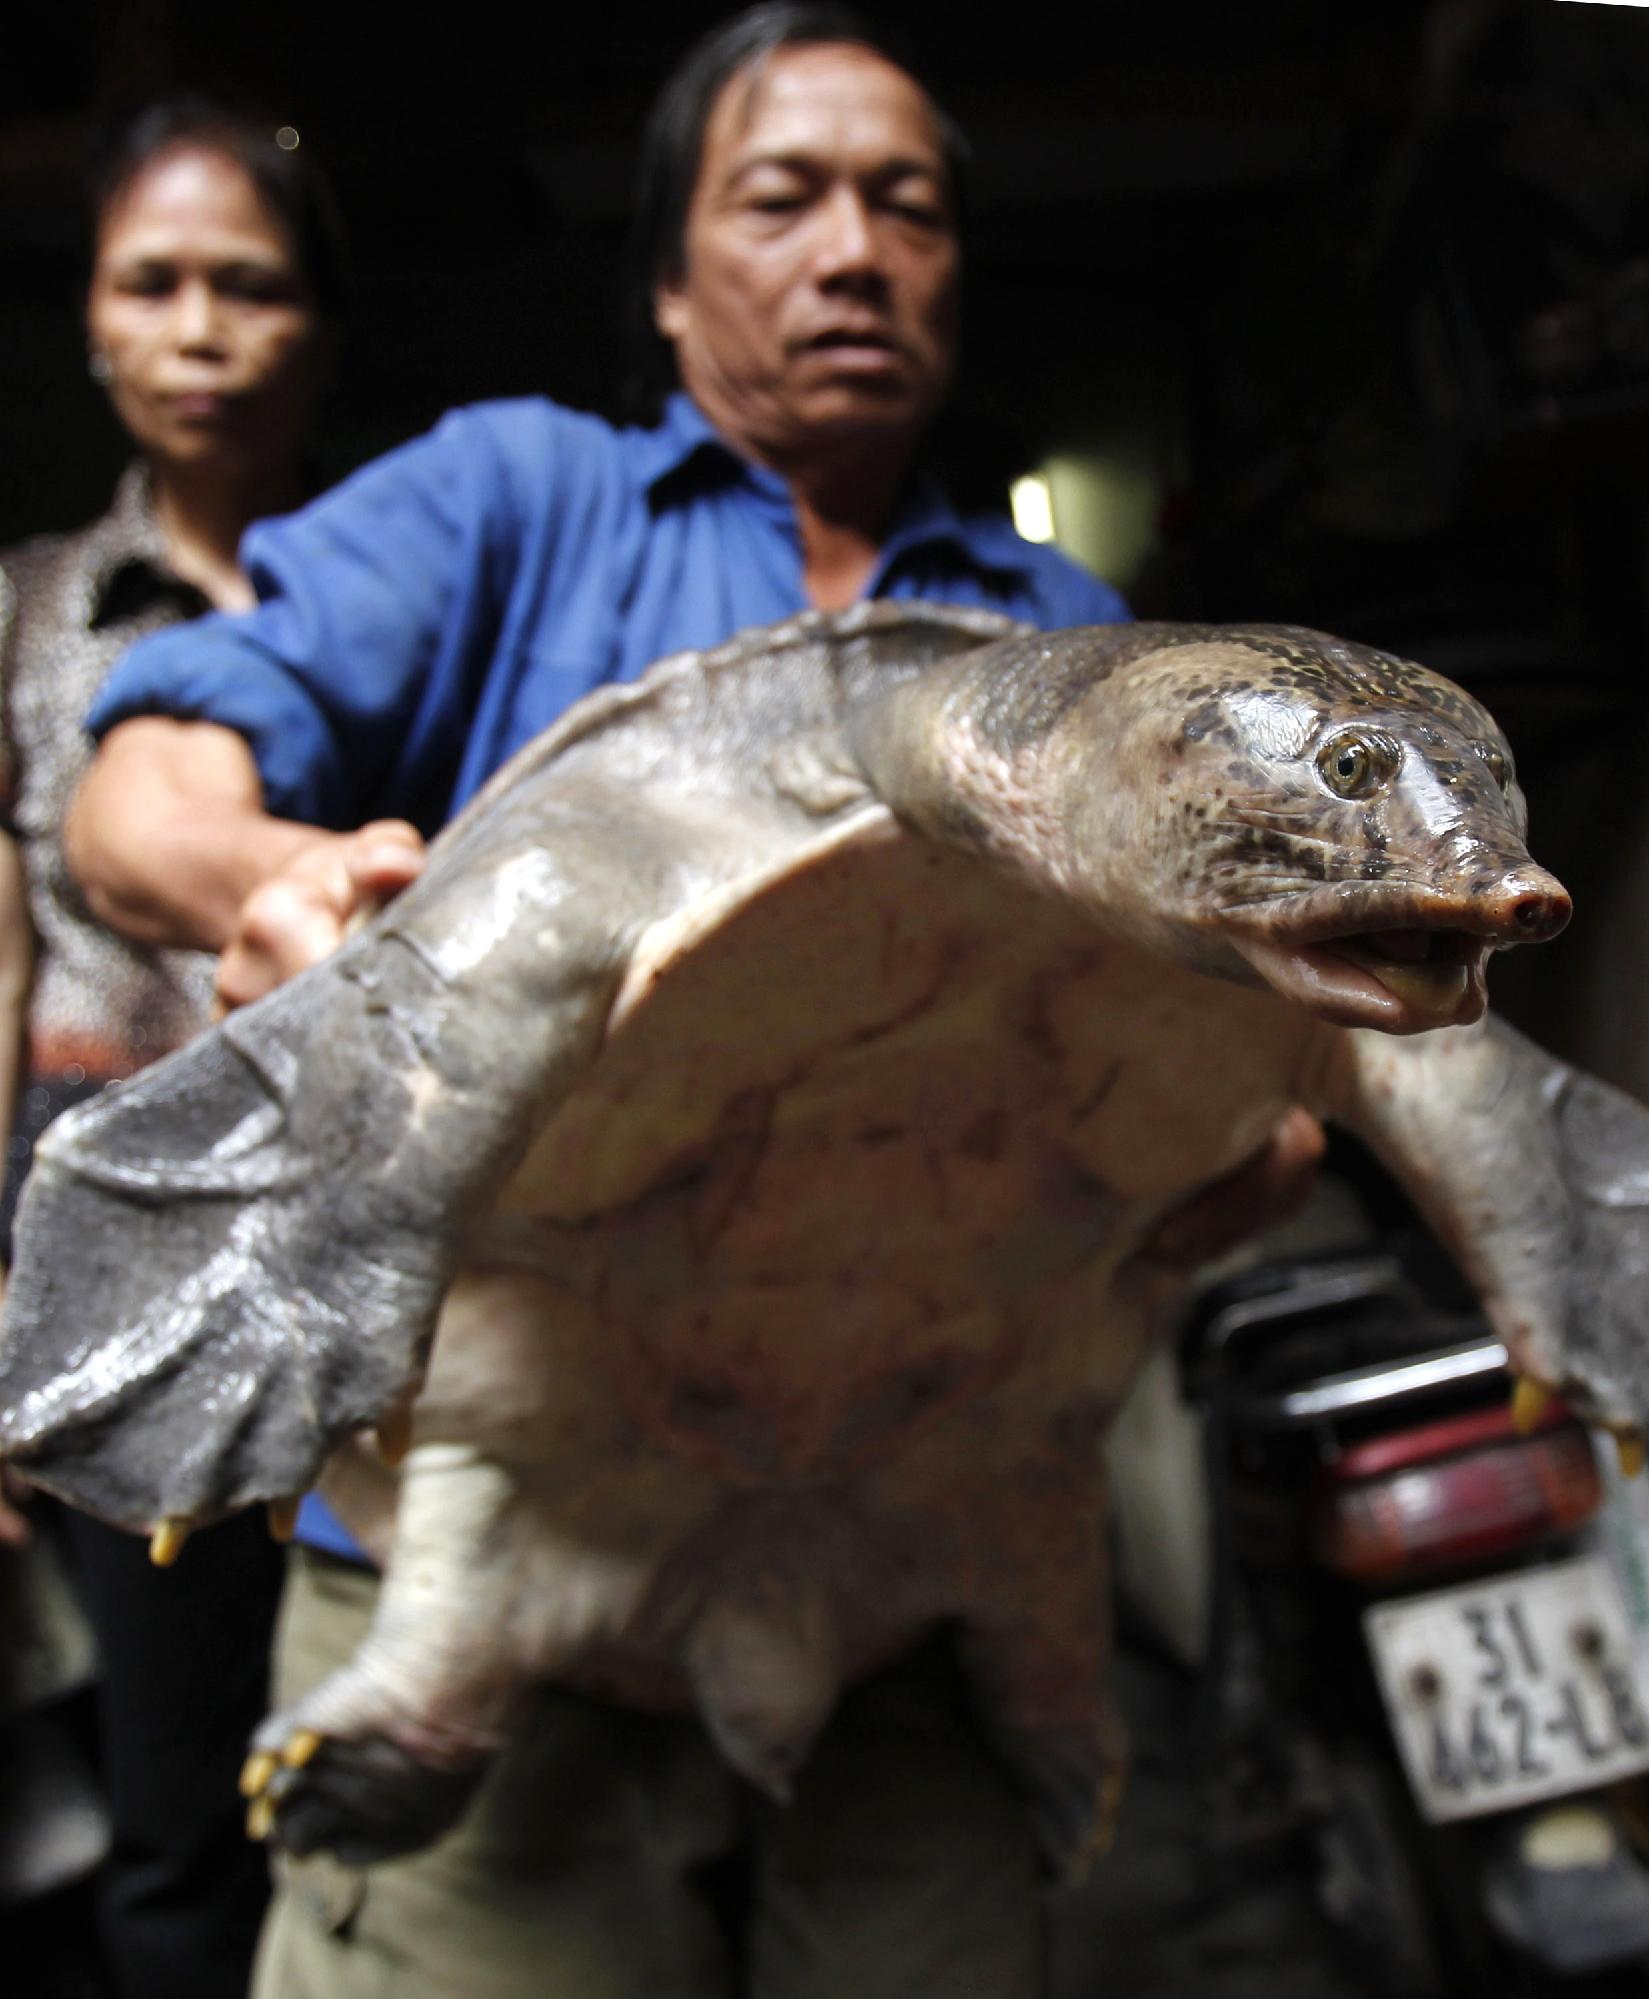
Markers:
{"x": 925, "y": 517}
{"x": 125, "y": 554}
{"x": 928, "y": 519}
{"x": 681, "y": 435}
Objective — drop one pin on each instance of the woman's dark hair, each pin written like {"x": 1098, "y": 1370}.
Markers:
{"x": 673, "y": 144}
{"x": 284, "y": 174}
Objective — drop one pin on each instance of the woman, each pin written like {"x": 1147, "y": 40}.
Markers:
{"x": 216, "y": 287}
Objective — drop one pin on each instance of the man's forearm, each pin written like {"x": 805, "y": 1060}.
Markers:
{"x": 167, "y": 835}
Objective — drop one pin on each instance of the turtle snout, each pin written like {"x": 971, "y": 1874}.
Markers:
{"x": 1526, "y": 906}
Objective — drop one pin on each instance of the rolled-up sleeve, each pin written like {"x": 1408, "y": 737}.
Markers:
{"x": 377, "y": 610}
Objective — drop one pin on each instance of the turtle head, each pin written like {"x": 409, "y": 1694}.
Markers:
{"x": 1344, "y": 825}
{"x": 1261, "y": 802}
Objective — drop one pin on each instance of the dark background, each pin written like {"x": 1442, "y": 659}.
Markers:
{"x": 1341, "y": 309}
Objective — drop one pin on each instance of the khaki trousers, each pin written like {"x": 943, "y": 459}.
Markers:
{"x": 612, "y": 1855}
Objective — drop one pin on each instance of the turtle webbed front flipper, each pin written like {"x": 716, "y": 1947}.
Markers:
{"x": 210, "y": 1285}
{"x": 228, "y": 1263}
{"x": 1537, "y": 1177}
{"x": 1600, "y": 1141}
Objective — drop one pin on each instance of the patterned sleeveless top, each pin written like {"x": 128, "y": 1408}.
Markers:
{"x": 101, "y": 1006}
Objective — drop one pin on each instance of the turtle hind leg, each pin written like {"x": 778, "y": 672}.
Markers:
{"x": 765, "y": 1666}
{"x": 384, "y": 1752}
{"x": 1036, "y": 1648}
{"x": 751, "y": 1604}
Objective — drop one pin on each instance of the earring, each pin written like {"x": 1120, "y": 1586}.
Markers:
{"x": 97, "y": 366}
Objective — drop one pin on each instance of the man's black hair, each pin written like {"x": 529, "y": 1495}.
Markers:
{"x": 673, "y": 145}
{"x": 286, "y": 178}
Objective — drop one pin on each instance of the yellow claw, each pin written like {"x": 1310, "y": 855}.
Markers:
{"x": 1529, "y": 1403}
{"x": 1101, "y": 1834}
{"x": 260, "y": 1818}
{"x": 166, "y": 1542}
{"x": 283, "y": 1518}
{"x": 395, "y": 1436}
{"x": 256, "y": 1772}
{"x": 302, "y": 1746}
{"x": 1629, "y": 1443}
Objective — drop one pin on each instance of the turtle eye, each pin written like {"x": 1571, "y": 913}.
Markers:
{"x": 1500, "y": 765}
{"x": 1357, "y": 762}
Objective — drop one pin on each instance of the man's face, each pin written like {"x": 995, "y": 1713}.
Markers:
{"x": 818, "y": 300}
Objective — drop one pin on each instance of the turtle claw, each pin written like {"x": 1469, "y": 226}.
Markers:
{"x": 266, "y": 1775}
{"x": 1530, "y": 1401}
{"x": 1101, "y": 1834}
{"x": 301, "y": 1748}
{"x": 256, "y": 1773}
{"x": 394, "y": 1434}
{"x": 1074, "y": 1791}
{"x": 166, "y": 1542}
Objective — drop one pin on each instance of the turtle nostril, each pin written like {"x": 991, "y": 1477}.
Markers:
{"x": 1536, "y": 915}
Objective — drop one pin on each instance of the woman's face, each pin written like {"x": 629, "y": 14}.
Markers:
{"x": 215, "y": 353}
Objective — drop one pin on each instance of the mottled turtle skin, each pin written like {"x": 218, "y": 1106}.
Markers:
{"x": 771, "y": 1085}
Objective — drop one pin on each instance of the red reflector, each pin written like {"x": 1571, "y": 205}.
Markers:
{"x": 1422, "y": 1442}
{"x": 1458, "y": 1509}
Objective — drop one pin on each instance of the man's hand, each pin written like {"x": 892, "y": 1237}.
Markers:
{"x": 169, "y": 840}
{"x": 1263, "y": 1191}
{"x": 303, "y": 913}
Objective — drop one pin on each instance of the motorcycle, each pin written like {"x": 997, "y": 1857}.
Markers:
{"x": 1424, "y": 1628}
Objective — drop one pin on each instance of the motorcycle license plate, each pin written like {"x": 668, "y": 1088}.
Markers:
{"x": 1508, "y": 1691}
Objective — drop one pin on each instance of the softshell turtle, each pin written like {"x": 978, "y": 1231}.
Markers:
{"x": 776, "y": 1072}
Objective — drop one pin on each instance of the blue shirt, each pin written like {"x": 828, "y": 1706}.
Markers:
{"x": 436, "y": 611}
{"x": 420, "y": 623}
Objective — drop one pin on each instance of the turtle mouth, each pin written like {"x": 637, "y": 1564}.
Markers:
{"x": 1401, "y": 980}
